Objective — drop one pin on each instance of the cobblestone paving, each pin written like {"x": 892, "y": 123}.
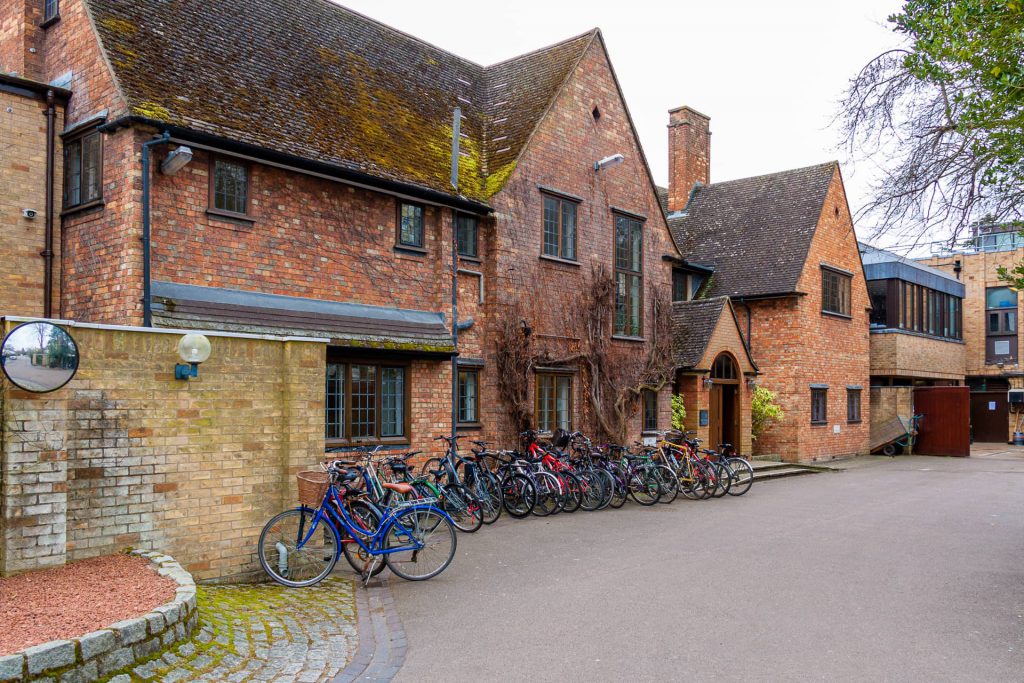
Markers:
{"x": 261, "y": 633}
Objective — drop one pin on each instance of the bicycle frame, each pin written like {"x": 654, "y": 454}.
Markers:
{"x": 328, "y": 513}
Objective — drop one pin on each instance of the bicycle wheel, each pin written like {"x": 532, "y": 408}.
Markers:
{"x": 368, "y": 518}
{"x": 619, "y": 490}
{"x": 428, "y": 528}
{"x": 519, "y": 496}
{"x": 573, "y": 491}
{"x": 431, "y": 464}
{"x": 549, "y": 494}
{"x": 592, "y": 490}
{"x": 723, "y": 479}
{"x": 704, "y": 479}
{"x": 462, "y": 507}
{"x": 643, "y": 487}
{"x": 742, "y": 476}
{"x": 668, "y": 482}
{"x": 489, "y": 493}
{"x": 607, "y": 487}
{"x": 287, "y": 563}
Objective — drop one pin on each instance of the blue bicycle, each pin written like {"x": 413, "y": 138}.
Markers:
{"x": 299, "y": 547}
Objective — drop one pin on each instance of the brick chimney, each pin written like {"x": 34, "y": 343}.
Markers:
{"x": 21, "y": 38}
{"x": 689, "y": 154}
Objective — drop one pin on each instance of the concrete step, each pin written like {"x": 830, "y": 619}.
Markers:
{"x": 781, "y": 470}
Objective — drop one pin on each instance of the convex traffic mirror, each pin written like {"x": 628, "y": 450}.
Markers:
{"x": 39, "y": 357}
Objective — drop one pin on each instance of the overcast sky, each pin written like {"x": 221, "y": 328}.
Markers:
{"x": 768, "y": 74}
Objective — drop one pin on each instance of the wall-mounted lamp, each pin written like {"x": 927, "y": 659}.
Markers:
{"x": 176, "y": 160}
{"x": 708, "y": 382}
{"x": 608, "y": 162}
{"x": 193, "y": 349}
{"x": 751, "y": 384}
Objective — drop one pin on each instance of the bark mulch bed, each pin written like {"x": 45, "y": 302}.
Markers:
{"x": 70, "y": 601}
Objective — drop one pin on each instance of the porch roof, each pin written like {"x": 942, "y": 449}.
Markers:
{"x": 345, "y": 324}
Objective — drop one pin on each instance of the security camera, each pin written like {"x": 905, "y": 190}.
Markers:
{"x": 28, "y": 213}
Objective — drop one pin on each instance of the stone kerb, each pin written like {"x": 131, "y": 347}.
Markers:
{"x": 119, "y": 646}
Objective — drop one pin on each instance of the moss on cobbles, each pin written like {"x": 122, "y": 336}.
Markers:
{"x": 240, "y": 626}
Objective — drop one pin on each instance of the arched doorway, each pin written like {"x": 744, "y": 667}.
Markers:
{"x": 724, "y": 409}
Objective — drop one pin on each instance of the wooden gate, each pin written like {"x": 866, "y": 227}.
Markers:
{"x": 945, "y": 428}
{"x": 990, "y": 416}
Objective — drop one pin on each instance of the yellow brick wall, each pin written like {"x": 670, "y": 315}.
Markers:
{"x": 978, "y": 273}
{"x": 908, "y": 355}
{"x": 23, "y": 186}
{"x": 190, "y": 468}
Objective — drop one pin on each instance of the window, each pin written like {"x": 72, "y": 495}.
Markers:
{"x": 680, "y": 285}
{"x": 229, "y": 187}
{"x": 650, "y": 399}
{"x": 554, "y": 402}
{"x": 628, "y": 276}
{"x": 878, "y": 292}
{"x": 819, "y": 405}
{"x": 466, "y": 232}
{"x": 83, "y": 170}
{"x": 853, "y": 405}
{"x": 51, "y": 10}
{"x": 410, "y": 225}
{"x": 366, "y": 402}
{"x": 469, "y": 396}
{"x": 723, "y": 367}
{"x": 900, "y": 304}
{"x": 559, "y": 228}
{"x": 835, "y": 292}
{"x": 1000, "y": 325}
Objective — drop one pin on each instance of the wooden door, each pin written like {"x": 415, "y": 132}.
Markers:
{"x": 945, "y": 427}
{"x": 989, "y": 416}
{"x": 715, "y": 416}
{"x": 723, "y": 418}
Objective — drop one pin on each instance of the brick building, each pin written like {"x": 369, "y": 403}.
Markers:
{"x": 782, "y": 248}
{"x": 298, "y": 188}
{"x": 991, "y": 327}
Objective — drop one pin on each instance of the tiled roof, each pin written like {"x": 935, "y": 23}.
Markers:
{"x": 693, "y": 323}
{"x": 315, "y": 80}
{"x": 755, "y": 232}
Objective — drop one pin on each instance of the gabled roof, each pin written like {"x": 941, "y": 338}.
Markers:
{"x": 314, "y": 80}
{"x": 693, "y": 324}
{"x": 755, "y": 232}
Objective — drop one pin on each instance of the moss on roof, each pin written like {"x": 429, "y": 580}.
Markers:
{"x": 315, "y": 80}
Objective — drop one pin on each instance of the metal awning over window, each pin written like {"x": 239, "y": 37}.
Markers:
{"x": 348, "y": 325}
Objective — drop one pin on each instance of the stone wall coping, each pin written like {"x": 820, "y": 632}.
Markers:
{"x": 106, "y": 651}
{"x": 161, "y": 330}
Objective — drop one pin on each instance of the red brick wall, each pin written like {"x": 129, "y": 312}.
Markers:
{"x": 102, "y": 248}
{"x": 561, "y": 155}
{"x": 795, "y": 345}
{"x": 310, "y": 238}
{"x": 19, "y": 33}
{"x": 71, "y": 46}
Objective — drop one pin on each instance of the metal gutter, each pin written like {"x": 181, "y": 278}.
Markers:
{"x": 47, "y": 252}
{"x": 147, "y": 289}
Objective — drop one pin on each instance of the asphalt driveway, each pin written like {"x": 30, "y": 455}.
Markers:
{"x": 905, "y": 570}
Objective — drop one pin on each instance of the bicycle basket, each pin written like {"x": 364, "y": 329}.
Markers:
{"x": 560, "y": 439}
{"x": 312, "y": 487}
